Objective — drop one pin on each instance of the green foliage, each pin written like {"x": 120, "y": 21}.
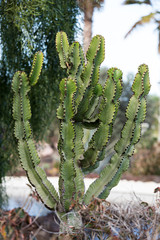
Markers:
{"x": 137, "y": 2}
{"x": 146, "y": 161}
{"x": 153, "y": 17}
{"x": 149, "y": 129}
{"x": 84, "y": 104}
{"x": 23, "y": 31}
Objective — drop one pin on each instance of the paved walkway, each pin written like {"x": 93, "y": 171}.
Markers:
{"x": 125, "y": 191}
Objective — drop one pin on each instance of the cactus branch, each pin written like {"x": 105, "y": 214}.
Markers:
{"x": 135, "y": 113}
{"x": 27, "y": 151}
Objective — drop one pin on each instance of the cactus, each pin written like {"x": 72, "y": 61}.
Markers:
{"x": 29, "y": 158}
{"x": 84, "y": 104}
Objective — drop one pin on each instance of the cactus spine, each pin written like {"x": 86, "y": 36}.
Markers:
{"x": 84, "y": 104}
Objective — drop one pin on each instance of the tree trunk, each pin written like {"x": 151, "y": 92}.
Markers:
{"x": 87, "y": 32}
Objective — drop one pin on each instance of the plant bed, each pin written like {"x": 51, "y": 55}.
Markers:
{"x": 101, "y": 220}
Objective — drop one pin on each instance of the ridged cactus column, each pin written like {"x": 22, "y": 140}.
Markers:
{"x": 29, "y": 158}
{"x": 130, "y": 135}
{"x": 84, "y": 104}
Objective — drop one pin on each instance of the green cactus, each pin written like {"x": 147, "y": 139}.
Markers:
{"x": 29, "y": 158}
{"x": 84, "y": 104}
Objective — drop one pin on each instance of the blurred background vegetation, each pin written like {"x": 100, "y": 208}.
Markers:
{"x": 29, "y": 26}
{"x": 26, "y": 27}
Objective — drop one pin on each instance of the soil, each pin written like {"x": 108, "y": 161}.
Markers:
{"x": 47, "y": 226}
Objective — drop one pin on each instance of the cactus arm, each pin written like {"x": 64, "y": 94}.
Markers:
{"x": 117, "y": 76}
{"x": 115, "y": 180}
{"x": 71, "y": 178}
{"x": 92, "y": 90}
{"x": 36, "y": 68}
{"x": 62, "y": 46}
{"x": 119, "y": 162}
{"x": 37, "y": 176}
{"x": 79, "y": 150}
{"x": 93, "y": 106}
{"x": 106, "y": 117}
{"x": 129, "y": 151}
{"x": 75, "y": 67}
{"x": 90, "y": 75}
{"x": 60, "y": 109}
{"x": 80, "y": 84}
{"x": 74, "y": 59}
{"x": 67, "y": 128}
{"x": 78, "y": 142}
{"x": 67, "y": 183}
{"x": 26, "y": 147}
{"x": 95, "y": 89}
{"x": 71, "y": 57}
